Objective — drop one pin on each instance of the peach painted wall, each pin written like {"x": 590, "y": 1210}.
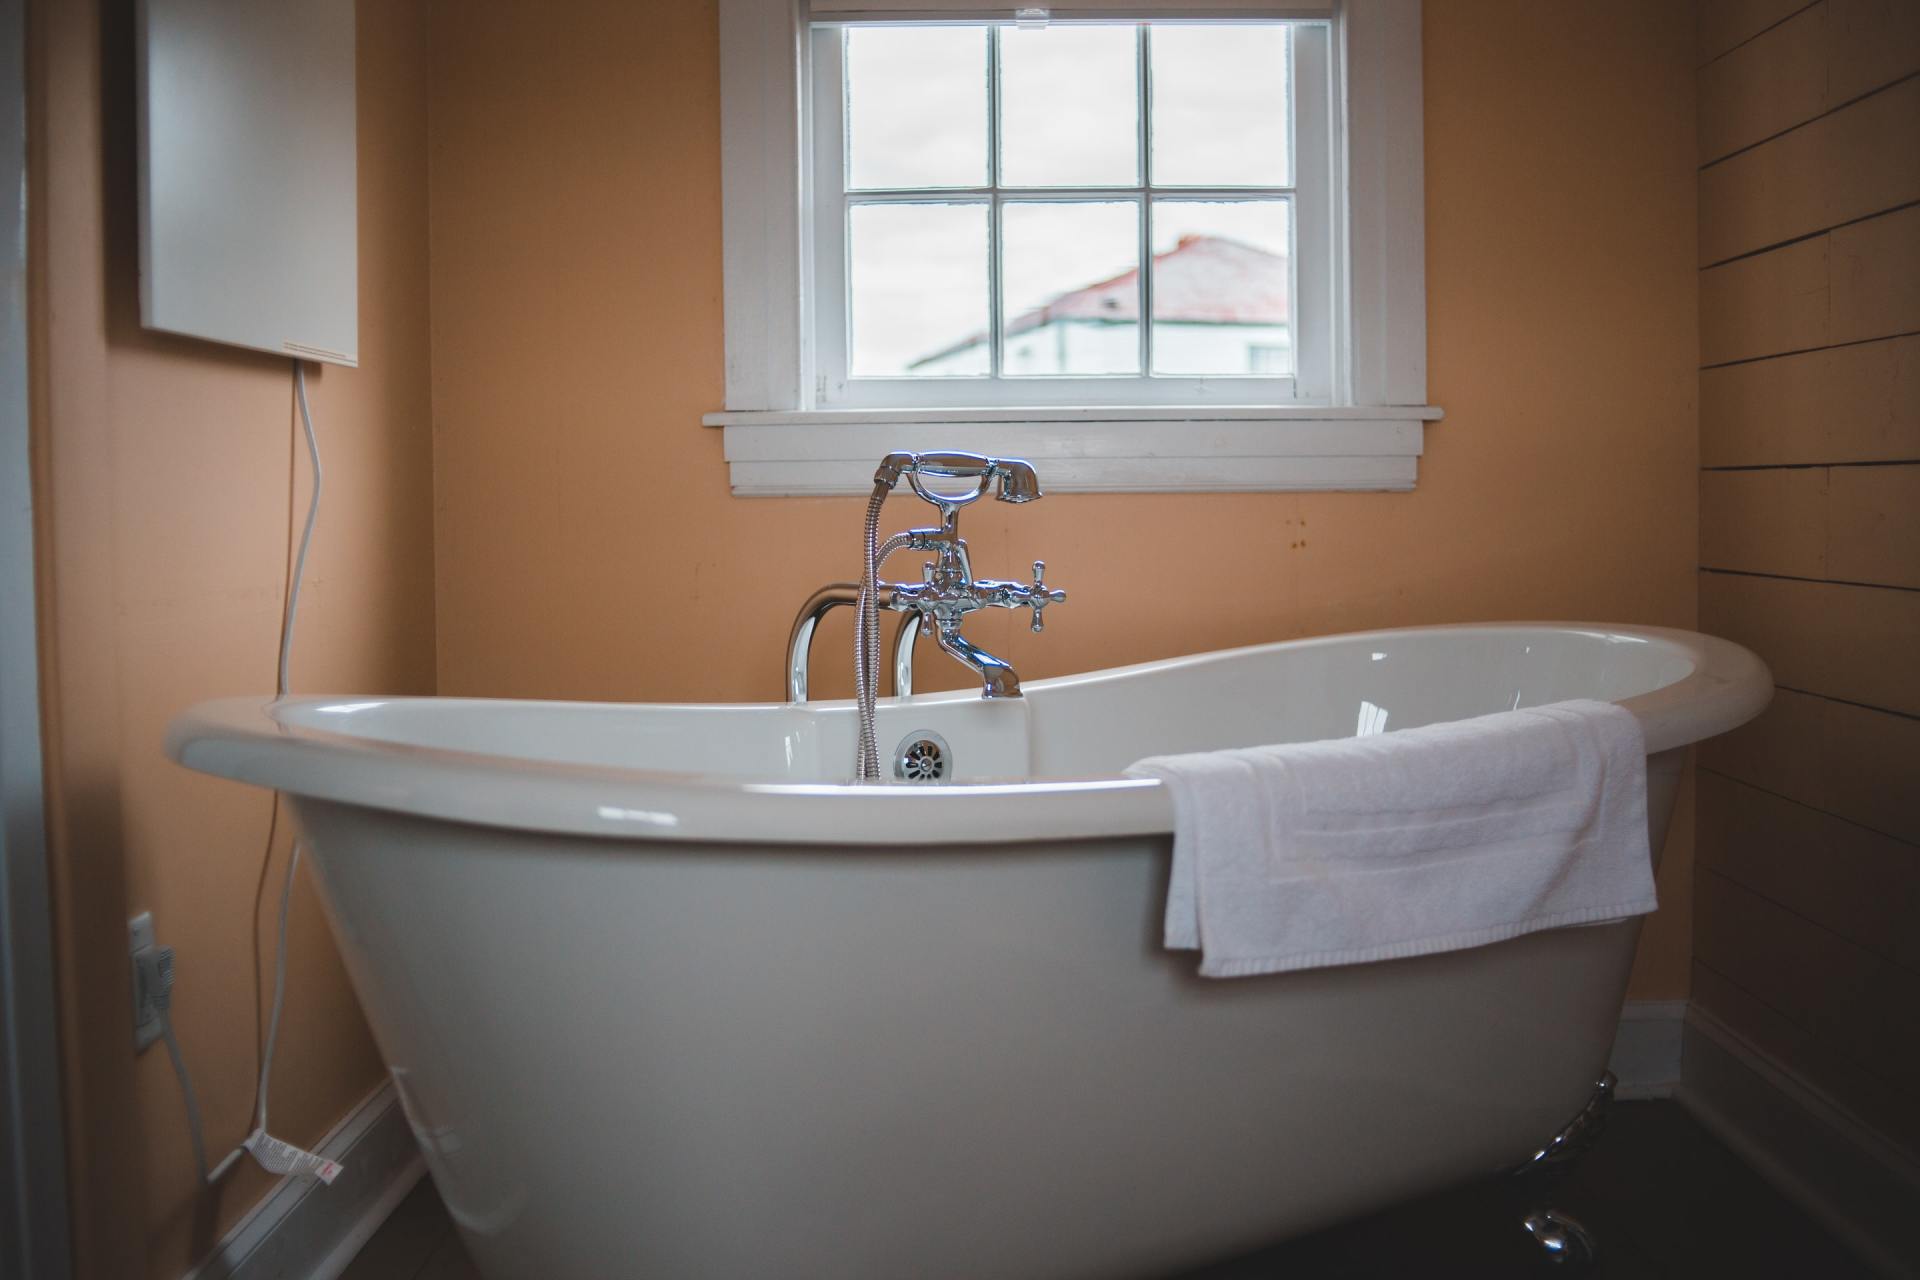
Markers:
{"x": 165, "y": 480}
{"x": 586, "y": 542}
{"x": 581, "y": 541}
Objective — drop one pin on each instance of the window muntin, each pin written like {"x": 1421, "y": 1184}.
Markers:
{"x": 1098, "y": 157}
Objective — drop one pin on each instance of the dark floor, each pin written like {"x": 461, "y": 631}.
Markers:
{"x": 1665, "y": 1198}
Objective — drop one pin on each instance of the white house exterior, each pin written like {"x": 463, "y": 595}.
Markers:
{"x": 1219, "y": 306}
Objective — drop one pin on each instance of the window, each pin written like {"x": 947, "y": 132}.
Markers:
{"x": 1080, "y": 213}
{"x": 1158, "y": 244}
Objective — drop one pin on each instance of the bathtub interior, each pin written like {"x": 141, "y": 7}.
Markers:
{"x": 1341, "y": 687}
{"x": 1073, "y": 726}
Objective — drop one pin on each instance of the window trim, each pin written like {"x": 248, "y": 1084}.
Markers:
{"x": 1379, "y": 387}
{"x": 1312, "y": 208}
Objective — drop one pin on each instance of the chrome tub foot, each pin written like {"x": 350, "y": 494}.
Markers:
{"x": 1562, "y": 1240}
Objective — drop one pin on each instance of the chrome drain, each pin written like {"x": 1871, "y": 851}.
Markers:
{"x": 922, "y": 756}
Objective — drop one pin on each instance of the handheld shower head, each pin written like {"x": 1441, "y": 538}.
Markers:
{"x": 1018, "y": 483}
{"x": 1014, "y": 477}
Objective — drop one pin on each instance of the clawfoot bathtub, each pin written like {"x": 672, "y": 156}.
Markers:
{"x": 665, "y": 997}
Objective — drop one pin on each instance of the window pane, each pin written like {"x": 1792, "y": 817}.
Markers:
{"x": 1221, "y": 288}
{"x": 1070, "y": 276}
{"x": 918, "y": 285}
{"x": 1069, "y": 107}
{"x": 916, "y": 107}
{"x": 1221, "y": 106}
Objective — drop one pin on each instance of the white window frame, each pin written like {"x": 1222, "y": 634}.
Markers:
{"x": 1363, "y": 431}
{"x": 1312, "y": 210}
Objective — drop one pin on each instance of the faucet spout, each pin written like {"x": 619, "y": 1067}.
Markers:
{"x": 997, "y": 679}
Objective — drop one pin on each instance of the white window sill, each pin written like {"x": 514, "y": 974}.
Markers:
{"x": 1216, "y": 448}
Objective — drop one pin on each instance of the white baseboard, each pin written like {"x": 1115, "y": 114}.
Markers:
{"x": 1859, "y": 1185}
{"x": 303, "y": 1230}
{"x": 1646, "y": 1052}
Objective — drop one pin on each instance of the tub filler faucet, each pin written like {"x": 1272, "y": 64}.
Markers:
{"x": 946, "y": 594}
{"x": 948, "y": 591}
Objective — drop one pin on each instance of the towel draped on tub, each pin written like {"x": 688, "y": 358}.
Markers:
{"x": 1448, "y": 836}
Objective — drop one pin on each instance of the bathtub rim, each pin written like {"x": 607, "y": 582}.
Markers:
{"x": 242, "y": 738}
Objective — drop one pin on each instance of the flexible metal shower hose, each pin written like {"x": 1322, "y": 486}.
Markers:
{"x": 866, "y": 634}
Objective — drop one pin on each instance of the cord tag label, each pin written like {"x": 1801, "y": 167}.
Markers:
{"x": 283, "y": 1158}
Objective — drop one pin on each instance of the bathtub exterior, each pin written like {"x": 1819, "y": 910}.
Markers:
{"x": 933, "y": 1046}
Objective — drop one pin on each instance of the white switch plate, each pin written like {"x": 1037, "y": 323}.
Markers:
{"x": 146, "y": 1017}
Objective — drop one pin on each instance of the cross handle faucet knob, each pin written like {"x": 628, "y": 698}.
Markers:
{"x": 1040, "y": 596}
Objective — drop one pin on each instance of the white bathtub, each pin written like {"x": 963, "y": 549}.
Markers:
{"x": 664, "y": 997}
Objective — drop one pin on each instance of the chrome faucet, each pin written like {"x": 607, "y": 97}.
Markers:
{"x": 948, "y": 591}
{"x": 940, "y": 602}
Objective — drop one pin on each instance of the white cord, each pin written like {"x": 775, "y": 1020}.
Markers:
{"x": 279, "y": 989}
{"x": 273, "y": 1155}
{"x": 157, "y": 979}
{"x": 306, "y": 535}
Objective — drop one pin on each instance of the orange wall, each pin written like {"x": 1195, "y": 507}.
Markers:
{"x": 586, "y": 543}
{"x": 164, "y": 473}
{"x": 561, "y": 165}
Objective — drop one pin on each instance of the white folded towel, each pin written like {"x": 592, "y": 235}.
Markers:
{"x": 1401, "y": 844}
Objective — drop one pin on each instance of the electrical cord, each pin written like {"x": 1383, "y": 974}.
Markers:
{"x": 270, "y": 1153}
{"x": 156, "y": 979}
